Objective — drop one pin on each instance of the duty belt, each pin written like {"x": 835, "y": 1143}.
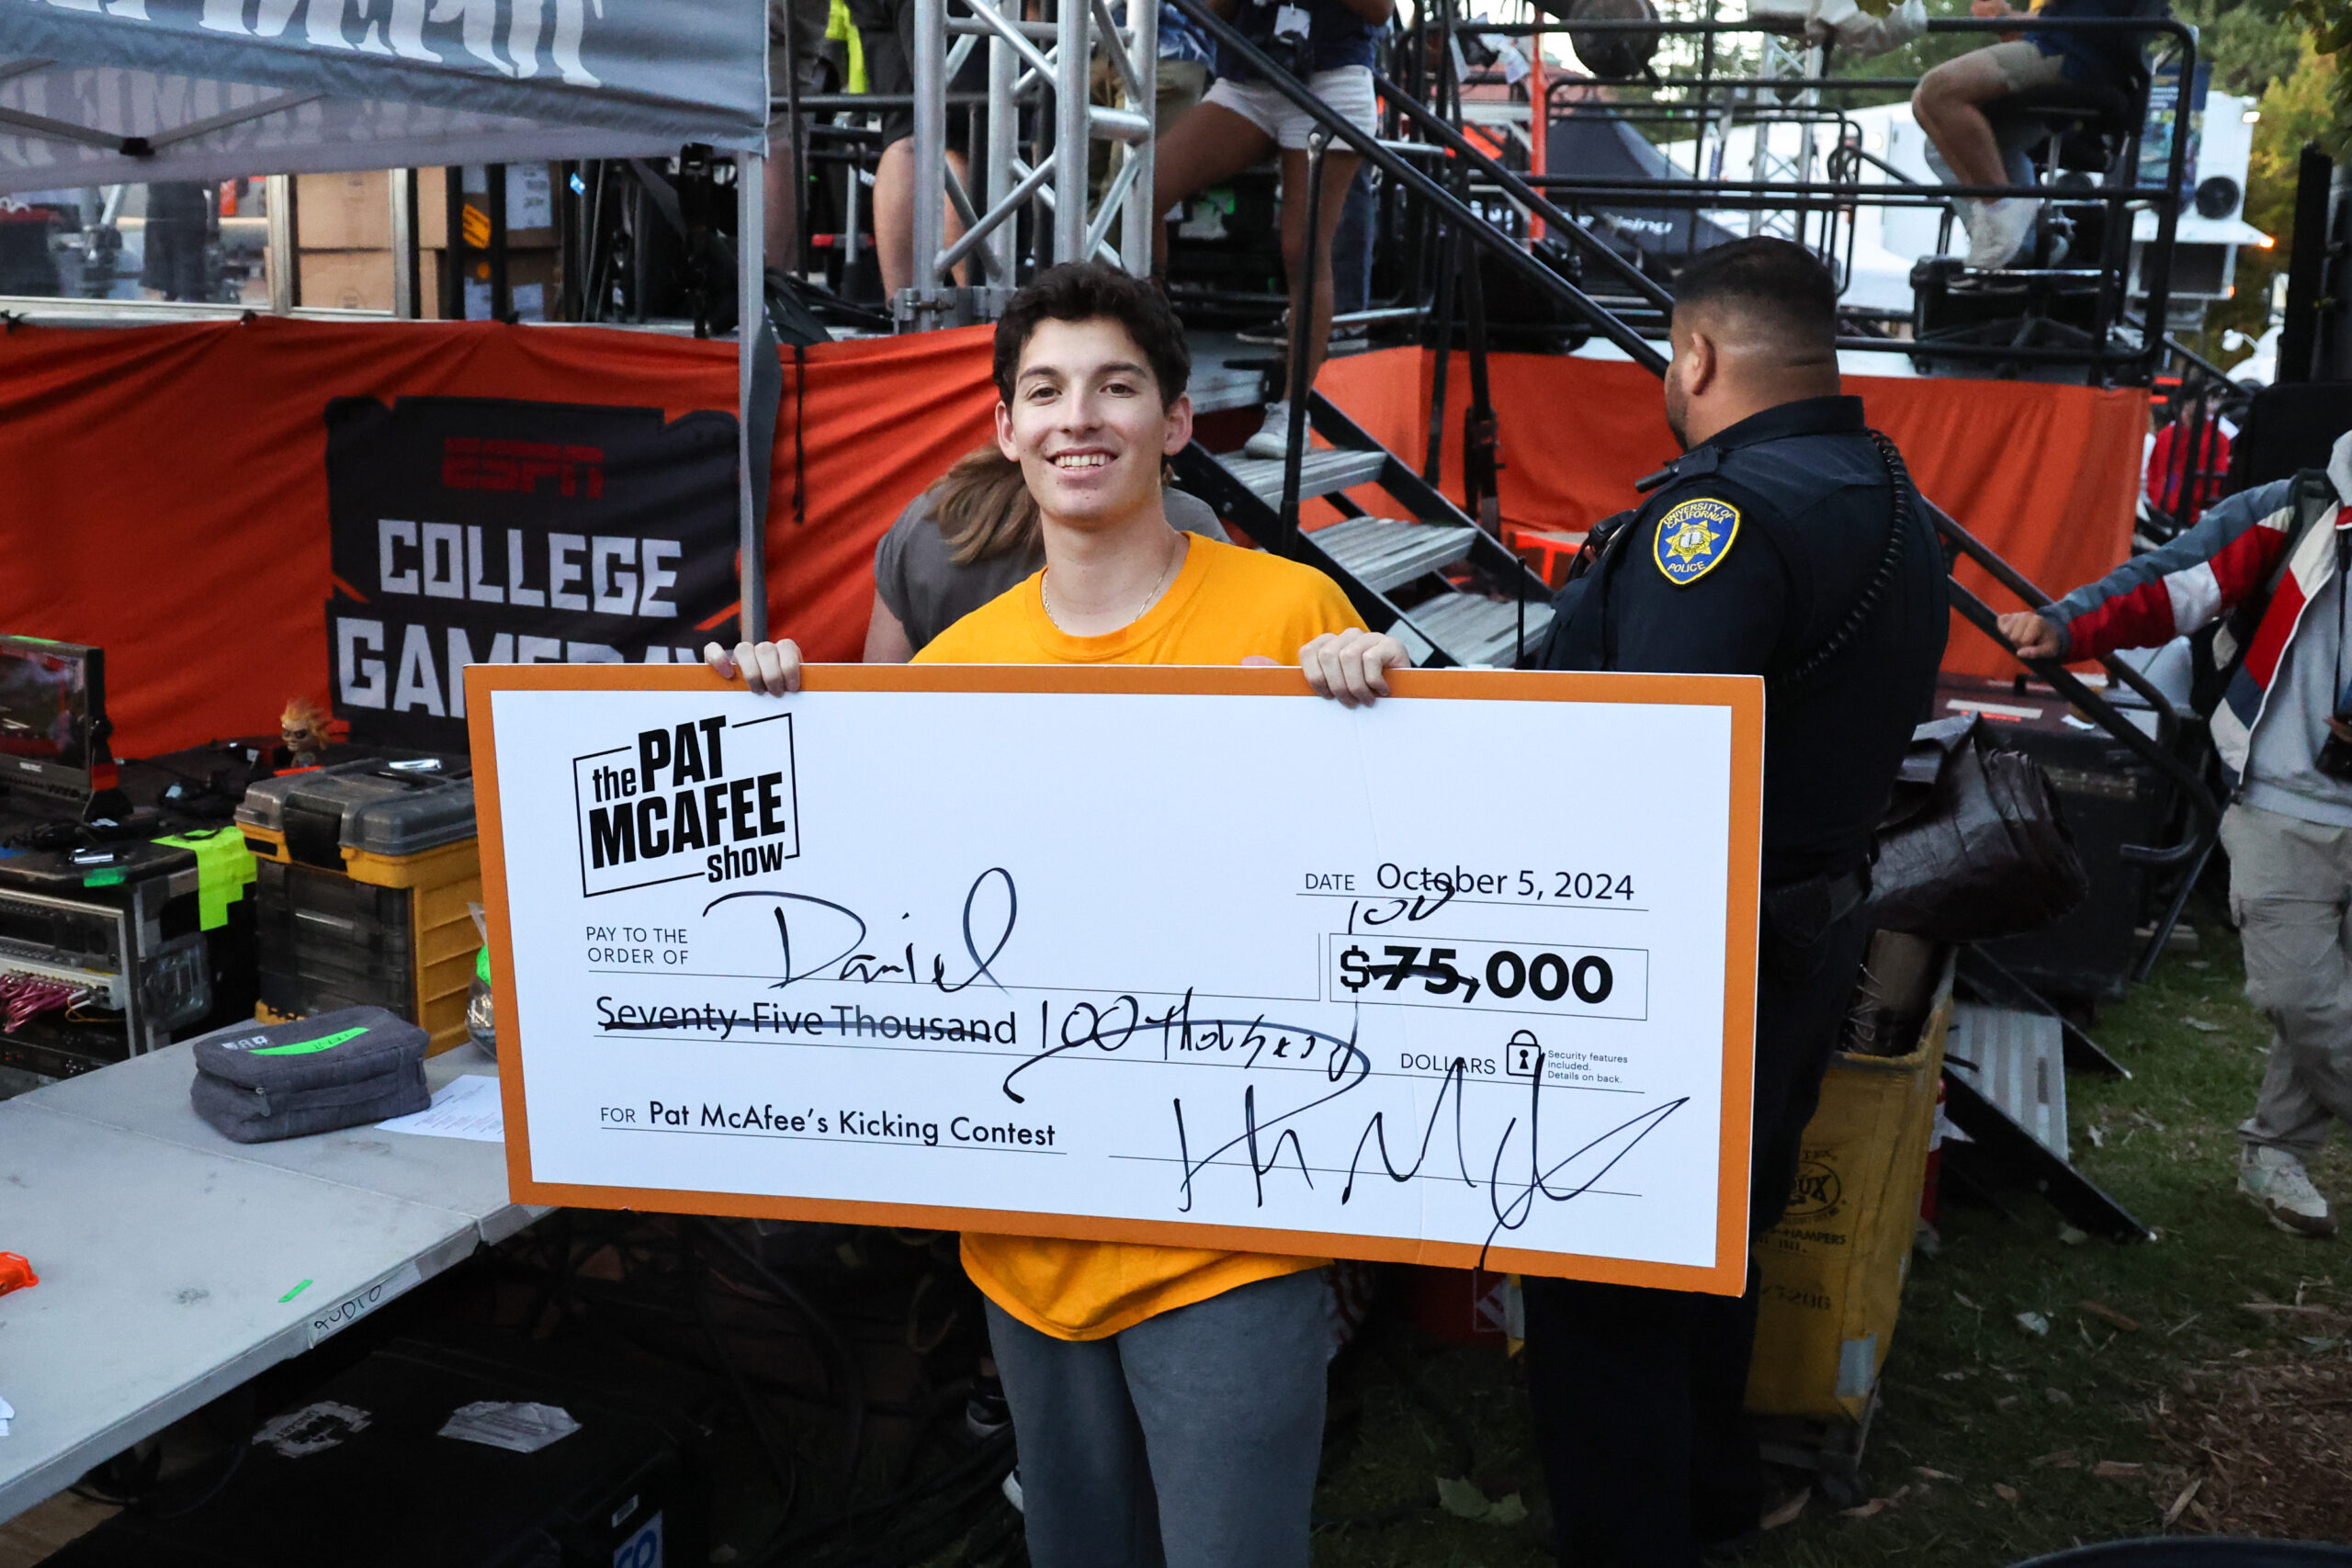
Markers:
{"x": 1800, "y": 913}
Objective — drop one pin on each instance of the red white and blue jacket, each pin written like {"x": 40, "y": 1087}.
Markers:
{"x": 2212, "y": 572}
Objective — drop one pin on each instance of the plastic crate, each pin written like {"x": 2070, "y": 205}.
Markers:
{"x": 391, "y": 931}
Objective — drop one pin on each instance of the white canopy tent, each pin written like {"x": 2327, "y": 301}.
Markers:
{"x": 105, "y": 92}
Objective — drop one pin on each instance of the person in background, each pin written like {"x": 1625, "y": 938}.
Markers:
{"x": 1169, "y": 1399}
{"x": 2202, "y": 423}
{"x": 1326, "y": 44}
{"x": 1182, "y": 78}
{"x": 1186, "y": 61}
{"x": 179, "y": 229}
{"x": 1350, "y": 267}
{"x": 2268, "y": 564}
{"x": 966, "y": 540}
{"x": 797, "y": 30}
{"x": 1957, "y": 104}
{"x": 886, "y": 31}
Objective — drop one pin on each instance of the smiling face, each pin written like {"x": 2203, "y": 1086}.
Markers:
{"x": 1087, "y": 424}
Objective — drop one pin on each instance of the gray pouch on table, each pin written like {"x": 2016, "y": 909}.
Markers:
{"x": 259, "y": 1081}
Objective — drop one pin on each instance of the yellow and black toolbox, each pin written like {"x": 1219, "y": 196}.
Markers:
{"x": 364, "y": 871}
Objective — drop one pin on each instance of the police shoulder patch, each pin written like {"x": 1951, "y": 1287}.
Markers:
{"x": 1693, "y": 536}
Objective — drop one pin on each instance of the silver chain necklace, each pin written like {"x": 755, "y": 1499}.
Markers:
{"x": 1166, "y": 573}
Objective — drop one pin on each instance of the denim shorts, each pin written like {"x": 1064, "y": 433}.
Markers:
{"x": 1347, "y": 88}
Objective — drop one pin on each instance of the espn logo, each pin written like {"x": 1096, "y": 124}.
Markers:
{"x": 471, "y": 462}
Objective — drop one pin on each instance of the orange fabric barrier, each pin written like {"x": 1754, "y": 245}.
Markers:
{"x": 2046, "y": 475}
{"x": 166, "y": 488}
{"x": 166, "y": 498}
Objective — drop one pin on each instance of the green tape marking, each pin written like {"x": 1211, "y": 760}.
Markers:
{"x": 307, "y": 1047}
{"x": 295, "y": 1291}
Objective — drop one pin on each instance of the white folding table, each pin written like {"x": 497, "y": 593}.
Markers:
{"x": 174, "y": 1264}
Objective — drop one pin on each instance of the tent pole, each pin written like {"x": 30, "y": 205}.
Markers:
{"x": 751, "y": 285}
{"x": 402, "y": 184}
{"x": 279, "y": 192}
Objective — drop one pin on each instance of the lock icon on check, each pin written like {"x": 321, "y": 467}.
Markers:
{"x": 1521, "y": 1054}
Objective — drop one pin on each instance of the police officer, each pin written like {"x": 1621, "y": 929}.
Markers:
{"x": 1786, "y": 542}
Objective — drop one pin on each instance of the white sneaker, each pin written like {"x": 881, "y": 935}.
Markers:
{"x": 1273, "y": 333}
{"x": 1970, "y": 211}
{"x": 1272, "y": 439}
{"x": 2001, "y": 230}
{"x": 2282, "y": 1189}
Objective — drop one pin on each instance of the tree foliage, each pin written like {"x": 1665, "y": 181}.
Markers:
{"x": 2304, "y": 103}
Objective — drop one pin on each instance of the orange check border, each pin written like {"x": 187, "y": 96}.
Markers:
{"x": 1744, "y": 695}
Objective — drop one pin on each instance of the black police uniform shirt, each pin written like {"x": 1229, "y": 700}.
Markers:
{"x": 1746, "y": 563}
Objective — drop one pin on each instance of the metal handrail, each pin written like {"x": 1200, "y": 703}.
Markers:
{"x": 1675, "y": 192}
{"x": 2155, "y": 750}
{"x": 1367, "y": 146}
{"x": 1520, "y": 187}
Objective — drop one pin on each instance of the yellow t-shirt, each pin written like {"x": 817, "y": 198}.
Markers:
{"x": 1227, "y": 604}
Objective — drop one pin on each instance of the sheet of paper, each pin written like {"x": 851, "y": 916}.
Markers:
{"x": 466, "y": 1106}
{"x": 1443, "y": 979}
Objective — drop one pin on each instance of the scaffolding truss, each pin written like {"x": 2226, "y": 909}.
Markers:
{"x": 1041, "y": 124}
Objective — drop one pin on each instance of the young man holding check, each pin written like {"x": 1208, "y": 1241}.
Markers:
{"x": 1169, "y": 1401}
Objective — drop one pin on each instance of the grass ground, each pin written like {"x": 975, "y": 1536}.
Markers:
{"x": 1996, "y": 1444}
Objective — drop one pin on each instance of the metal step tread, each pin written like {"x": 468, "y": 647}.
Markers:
{"x": 1220, "y": 387}
{"x": 2017, "y": 1060}
{"x": 1382, "y": 553}
{"x": 1320, "y": 472}
{"x": 1471, "y": 629}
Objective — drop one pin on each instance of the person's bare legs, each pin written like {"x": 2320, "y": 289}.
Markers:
{"x": 894, "y": 214}
{"x": 1208, "y": 144}
{"x": 1338, "y": 174}
{"x": 1950, "y": 104}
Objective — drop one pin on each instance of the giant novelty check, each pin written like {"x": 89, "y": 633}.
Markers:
{"x": 1176, "y": 956}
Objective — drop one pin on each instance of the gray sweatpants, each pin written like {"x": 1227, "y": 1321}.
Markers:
{"x": 2290, "y": 893}
{"x": 1189, "y": 1440}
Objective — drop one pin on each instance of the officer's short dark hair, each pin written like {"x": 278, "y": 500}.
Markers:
{"x": 1772, "y": 281}
{"x": 1088, "y": 291}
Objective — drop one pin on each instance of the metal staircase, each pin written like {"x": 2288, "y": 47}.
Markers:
{"x": 1446, "y": 589}
{"x": 1424, "y": 570}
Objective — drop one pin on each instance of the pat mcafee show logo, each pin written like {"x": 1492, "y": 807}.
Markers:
{"x": 706, "y": 799}
{"x": 497, "y": 531}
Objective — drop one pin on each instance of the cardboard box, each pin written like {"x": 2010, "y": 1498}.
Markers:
{"x": 347, "y": 280}
{"x": 532, "y": 276}
{"x": 530, "y": 206}
{"x": 343, "y": 212}
{"x": 1833, "y": 1269}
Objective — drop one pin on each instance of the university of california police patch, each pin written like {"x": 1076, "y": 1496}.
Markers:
{"x": 1693, "y": 536}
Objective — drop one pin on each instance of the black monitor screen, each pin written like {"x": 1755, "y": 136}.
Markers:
{"x": 51, "y": 713}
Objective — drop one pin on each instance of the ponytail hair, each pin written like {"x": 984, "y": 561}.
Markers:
{"x": 983, "y": 507}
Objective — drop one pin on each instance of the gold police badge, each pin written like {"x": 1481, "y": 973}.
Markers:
{"x": 1693, "y": 536}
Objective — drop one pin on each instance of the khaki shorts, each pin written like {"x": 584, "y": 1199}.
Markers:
{"x": 2024, "y": 67}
